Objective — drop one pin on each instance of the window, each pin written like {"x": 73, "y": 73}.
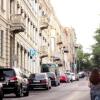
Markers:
{"x": 1, "y": 43}
{"x": 2, "y": 5}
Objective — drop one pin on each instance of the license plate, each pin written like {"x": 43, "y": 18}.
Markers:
{"x": 36, "y": 81}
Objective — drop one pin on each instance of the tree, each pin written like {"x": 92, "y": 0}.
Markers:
{"x": 83, "y": 60}
{"x": 96, "y": 49}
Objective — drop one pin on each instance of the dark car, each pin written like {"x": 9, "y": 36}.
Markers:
{"x": 14, "y": 81}
{"x": 55, "y": 81}
{"x": 39, "y": 80}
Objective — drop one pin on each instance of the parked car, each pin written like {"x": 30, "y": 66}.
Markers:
{"x": 14, "y": 81}
{"x": 64, "y": 78}
{"x": 73, "y": 76}
{"x": 76, "y": 77}
{"x": 55, "y": 80}
{"x": 39, "y": 80}
{"x": 81, "y": 74}
{"x": 1, "y": 90}
{"x": 69, "y": 76}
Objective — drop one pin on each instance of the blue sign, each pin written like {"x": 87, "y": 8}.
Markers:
{"x": 33, "y": 52}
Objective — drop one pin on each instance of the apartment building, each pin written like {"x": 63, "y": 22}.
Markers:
{"x": 71, "y": 42}
{"x": 4, "y": 34}
{"x": 24, "y": 33}
{"x": 30, "y": 34}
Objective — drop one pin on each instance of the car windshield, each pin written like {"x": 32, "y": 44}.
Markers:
{"x": 68, "y": 73}
{"x": 51, "y": 74}
{"x": 39, "y": 76}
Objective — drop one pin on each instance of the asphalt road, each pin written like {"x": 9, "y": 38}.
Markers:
{"x": 66, "y": 91}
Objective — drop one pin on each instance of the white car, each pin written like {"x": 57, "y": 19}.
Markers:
{"x": 73, "y": 76}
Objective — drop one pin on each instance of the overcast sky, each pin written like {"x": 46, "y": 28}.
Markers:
{"x": 82, "y": 15}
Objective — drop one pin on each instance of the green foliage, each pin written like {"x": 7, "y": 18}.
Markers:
{"x": 83, "y": 60}
{"x": 96, "y": 49}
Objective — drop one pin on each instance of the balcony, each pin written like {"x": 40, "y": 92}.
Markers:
{"x": 56, "y": 59}
{"x": 43, "y": 51}
{"x": 65, "y": 50}
{"x": 18, "y": 23}
{"x": 59, "y": 41}
{"x": 44, "y": 22}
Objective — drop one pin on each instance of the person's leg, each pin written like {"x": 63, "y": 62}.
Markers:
{"x": 92, "y": 96}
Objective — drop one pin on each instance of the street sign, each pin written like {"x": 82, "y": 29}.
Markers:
{"x": 33, "y": 52}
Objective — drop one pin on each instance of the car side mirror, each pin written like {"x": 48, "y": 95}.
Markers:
{"x": 2, "y": 78}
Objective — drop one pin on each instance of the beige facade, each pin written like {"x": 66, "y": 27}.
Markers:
{"x": 30, "y": 34}
{"x": 4, "y": 34}
{"x": 71, "y": 42}
{"x": 21, "y": 32}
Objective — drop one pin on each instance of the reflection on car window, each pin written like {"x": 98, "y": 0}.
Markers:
{"x": 37, "y": 76}
{"x": 8, "y": 73}
{"x": 1, "y": 76}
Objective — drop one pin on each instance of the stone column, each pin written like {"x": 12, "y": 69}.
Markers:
{"x": 19, "y": 56}
{"x": 23, "y": 58}
{"x": 15, "y": 54}
{"x": 26, "y": 61}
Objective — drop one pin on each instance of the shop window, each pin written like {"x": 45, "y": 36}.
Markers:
{"x": 35, "y": 1}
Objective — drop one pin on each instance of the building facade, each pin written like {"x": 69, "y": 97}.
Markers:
{"x": 71, "y": 47}
{"x": 24, "y": 38}
{"x": 30, "y": 34}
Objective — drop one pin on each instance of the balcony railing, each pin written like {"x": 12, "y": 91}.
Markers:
{"x": 18, "y": 23}
{"x": 59, "y": 41}
{"x": 43, "y": 51}
{"x": 65, "y": 50}
{"x": 44, "y": 22}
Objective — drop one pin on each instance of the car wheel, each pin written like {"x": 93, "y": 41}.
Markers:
{"x": 55, "y": 83}
{"x": 27, "y": 92}
{"x": 19, "y": 92}
{"x": 50, "y": 87}
{"x": 47, "y": 88}
{"x": 1, "y": 96}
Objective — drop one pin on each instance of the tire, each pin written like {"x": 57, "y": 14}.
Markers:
{"x": 1, "y": 98}
{"x": 1, "y": 95}
{"x": 55, "y": 83}
{"x": 19, "y": 92}
{"x": 50, "y": 87}
{"x": 47, "y": 88}
{"x": 27, "y": 92}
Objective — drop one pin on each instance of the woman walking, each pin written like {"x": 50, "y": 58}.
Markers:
{"x": 95, "y": 84}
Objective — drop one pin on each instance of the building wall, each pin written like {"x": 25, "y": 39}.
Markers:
{"x": 4, "y": 30}
{"x": 15, "y": 47}
{"x": 71, "y": 41}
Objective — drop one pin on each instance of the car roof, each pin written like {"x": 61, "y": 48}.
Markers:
{"x": 39, "y": 74}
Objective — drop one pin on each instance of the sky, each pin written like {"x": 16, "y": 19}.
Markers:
{"x": 82, "y": 15}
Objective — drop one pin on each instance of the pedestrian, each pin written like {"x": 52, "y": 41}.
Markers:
{"x": 94, "y": 81}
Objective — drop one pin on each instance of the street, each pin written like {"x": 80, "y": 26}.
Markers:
{"x": 77, "y": 90}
